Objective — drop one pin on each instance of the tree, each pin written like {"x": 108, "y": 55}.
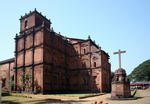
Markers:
{"x": 141, "y": 72}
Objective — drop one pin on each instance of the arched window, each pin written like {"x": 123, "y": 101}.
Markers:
{"x": 84, "y": 51}
{"x": 25, "y": 24}
{"x": 94, "y": 64}
{"x": 3, "y": 82}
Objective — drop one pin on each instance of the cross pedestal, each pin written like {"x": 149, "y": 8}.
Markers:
{"x": 120, "y": 83}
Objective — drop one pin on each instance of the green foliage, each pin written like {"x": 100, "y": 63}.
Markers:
{"x": 141, "y": 73}
{"x": 25, "y": 79}
{"x": 11, "y": 84}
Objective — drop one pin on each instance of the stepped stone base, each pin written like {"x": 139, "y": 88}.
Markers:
{"x": 120, "y": 85}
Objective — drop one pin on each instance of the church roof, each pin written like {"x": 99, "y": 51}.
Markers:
{"x": 75, "y": 39}
{"x": 7, "y": 61}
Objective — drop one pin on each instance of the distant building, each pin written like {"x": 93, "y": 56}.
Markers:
{"x": 55, "y": 63}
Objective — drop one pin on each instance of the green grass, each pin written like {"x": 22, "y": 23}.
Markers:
{"x": 22, "y": 99}
{"x": 22, "y": 96}
{"x": 136, "y": 94}
{"x": 16, "y": 99}
{"x": 132, "y": 92}
{"x": 13, "y": 99}
{"x": 148, "y": 89}
{"x": 75, "y": 95}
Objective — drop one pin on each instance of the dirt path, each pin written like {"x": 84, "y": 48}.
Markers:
{"x": 144, "y": 99}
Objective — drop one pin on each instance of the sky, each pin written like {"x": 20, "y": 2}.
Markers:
{"x": 113, "y": 24}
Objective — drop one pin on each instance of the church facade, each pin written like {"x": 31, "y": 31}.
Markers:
{"x": 46, "y": 61}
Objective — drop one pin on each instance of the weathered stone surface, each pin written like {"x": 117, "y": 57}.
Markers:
{"x": 120, "y": 85}
{"x": 6, "y": 72}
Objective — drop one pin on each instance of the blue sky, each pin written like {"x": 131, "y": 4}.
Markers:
{"x": 113, "y": 24}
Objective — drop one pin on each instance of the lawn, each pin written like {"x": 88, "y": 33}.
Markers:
{"x": 16, "y": 99}
{"x": 148, "y": 89}
{"x": 136, "y": 93}
{"x": 75, "y": 95}
{"x": 27, "y": 99}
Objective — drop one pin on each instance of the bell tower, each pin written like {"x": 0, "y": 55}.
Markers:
{"x": 29, "y": 52}
{"x": 33, "y": 19}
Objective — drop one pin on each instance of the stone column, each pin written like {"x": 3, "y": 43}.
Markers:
{"x": 0, "y": 91}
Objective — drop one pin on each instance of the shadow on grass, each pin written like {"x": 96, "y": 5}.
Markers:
{"x": 138, "y": 98}
{"x": 24, "y": 100}
{"x": 45, "y": 101}
{"x": 9, "y": 102}
{"x": 75, "y": 94}
{"x": 49, "y": 101}
{"x": 134, "y": 95}
{"x": 6, "y": 94}
{"x": 71, "y": 92}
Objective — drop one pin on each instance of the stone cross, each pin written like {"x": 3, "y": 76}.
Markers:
{"x": 119, "y": 53}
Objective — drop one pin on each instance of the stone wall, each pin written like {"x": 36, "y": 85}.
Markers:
{"x": 29, "y": 56}
{"x": 6, "y": 73}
